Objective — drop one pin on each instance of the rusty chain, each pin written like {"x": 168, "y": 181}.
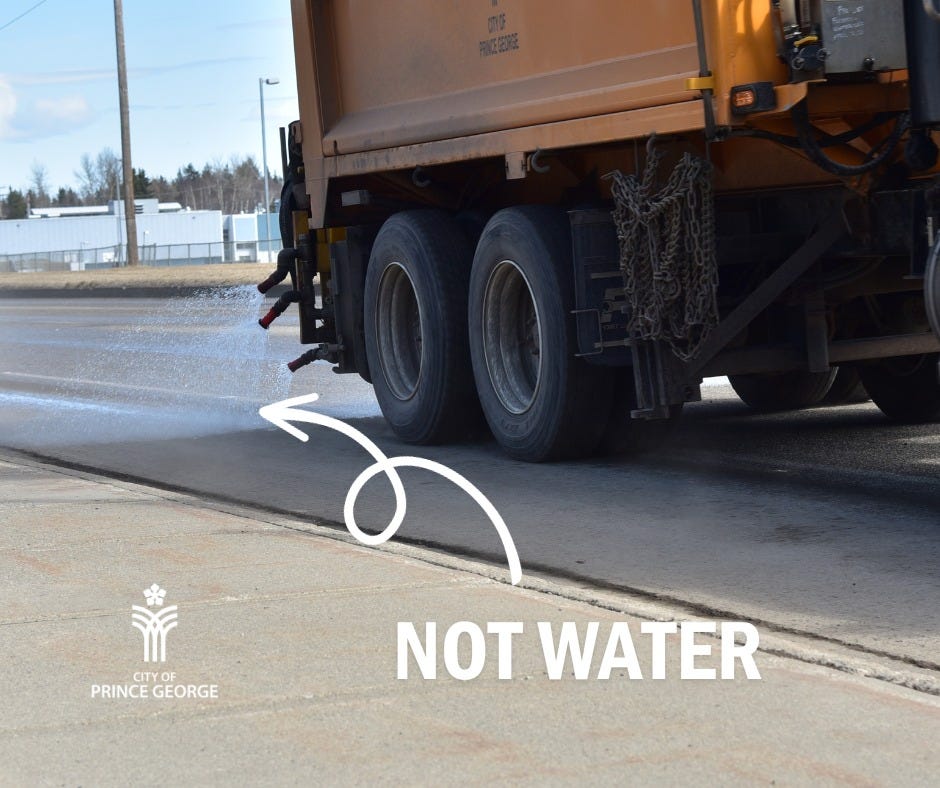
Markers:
{"x": 667, "y": 252}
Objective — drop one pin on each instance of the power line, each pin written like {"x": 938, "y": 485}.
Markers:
{"x": 18, "y": 18}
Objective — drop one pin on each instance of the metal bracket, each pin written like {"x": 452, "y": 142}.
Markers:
{"x": 516, "y": 166}
{"x": 535, "y": 162}
{"x": 599, "y": 345}
{"x": 817, "y": 333}
{"x": 700, "y": 83}
{"x": 660, "y": 381}
{"x": 829, "y": 232}
{"x": 419, "y": 178}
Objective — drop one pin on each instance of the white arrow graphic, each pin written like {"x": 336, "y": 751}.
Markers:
{"x": 282, "y": 413}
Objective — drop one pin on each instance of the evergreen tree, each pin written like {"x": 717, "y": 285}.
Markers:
{"x": 141, "y": 184}
{"x": 14, "y": 206}
{"x": 66, "y": 198}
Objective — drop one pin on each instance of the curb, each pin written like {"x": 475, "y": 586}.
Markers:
{"x": 778, "y": 640}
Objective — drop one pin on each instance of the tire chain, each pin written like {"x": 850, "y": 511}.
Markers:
{"x": 667, "y": 253}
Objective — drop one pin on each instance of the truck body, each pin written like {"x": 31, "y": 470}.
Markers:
{"x": 562, "y": 216}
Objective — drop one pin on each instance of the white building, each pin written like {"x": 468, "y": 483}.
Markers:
{"x": 240, "y": 234}
{"x": 246, "y": 237}
{"x": 95, "y": 236}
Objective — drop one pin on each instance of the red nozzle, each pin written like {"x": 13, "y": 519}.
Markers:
{"x": 307, "y": 358}
{"x": 269, "y": 318}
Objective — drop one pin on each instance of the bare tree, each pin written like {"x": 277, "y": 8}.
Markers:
{"x": 87, "y": 177}
{"x": 248, "y": 184}
{"x": 39, "y": 185}
{"x": 108, "y": 166}
{"x": 187, "y": 185}
{"x": 233, "y": 186}
{"x": 99, "y": 177}
{"x": 218, "y": 178}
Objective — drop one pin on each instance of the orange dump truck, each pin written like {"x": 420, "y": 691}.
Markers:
{"x": 555, "y": 218}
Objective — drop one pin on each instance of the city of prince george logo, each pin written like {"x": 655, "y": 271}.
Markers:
{"x": 154, "y": 625}
{"x": 154, "y": 622}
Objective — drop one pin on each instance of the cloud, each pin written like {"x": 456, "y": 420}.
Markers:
{"x": 70, "y": 110}
{"x": 174, "y": 107}
{"x": 274, "y": 108}
{"x": 7, "y": 107}
{"x": 110, "y": 75}
{"x": 24, "y": 122}
{"x": 63, "y": 77}
{"x": 276, "y": 23}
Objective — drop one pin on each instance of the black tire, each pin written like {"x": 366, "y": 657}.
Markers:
{"x": 783, "y": 390}
{"x": 906, "y": 389}
{"x": 416, "y": 327}
{"x": 540, "y": 400}
{"x": 628, "y": 436}
{"x": 472, "y": 223}
{"x": 846, "y": 389}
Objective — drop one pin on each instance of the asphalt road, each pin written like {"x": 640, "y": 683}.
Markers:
{"x": 825, "y": 521}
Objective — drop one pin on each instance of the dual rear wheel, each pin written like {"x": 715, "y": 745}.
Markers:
{"x": 453, "y": 335}
{"x": 457, "y": 335}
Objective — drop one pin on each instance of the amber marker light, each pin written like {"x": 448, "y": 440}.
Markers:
{"x": 744, "y": 99}
{"x": 753, "y": 97}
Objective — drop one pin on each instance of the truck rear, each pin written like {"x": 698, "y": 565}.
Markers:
{"x": 556, "y": 219}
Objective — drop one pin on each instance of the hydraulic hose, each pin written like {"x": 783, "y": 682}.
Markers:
{"x": 826, "y": 141}
{"x": 812, "y": 147}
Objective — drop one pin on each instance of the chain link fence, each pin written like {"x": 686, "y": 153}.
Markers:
{"x": 87, "y": 259}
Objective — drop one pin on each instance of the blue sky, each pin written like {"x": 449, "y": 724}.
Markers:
{"x": 193, "y": 70}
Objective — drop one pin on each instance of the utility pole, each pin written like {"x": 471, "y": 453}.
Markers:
{"x": 264, "y": 158}
{"x": 130, "y": 215}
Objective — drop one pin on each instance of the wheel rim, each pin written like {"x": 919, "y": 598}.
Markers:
{"x": 932, "y": 288}
{"x": 398, "y": 331}
{"x": 512, "y": 337}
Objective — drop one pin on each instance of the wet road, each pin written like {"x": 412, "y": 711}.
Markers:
{"x": 825, "y": 521}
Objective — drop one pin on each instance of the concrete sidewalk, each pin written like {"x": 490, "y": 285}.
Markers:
{"x": 295, "y": 627}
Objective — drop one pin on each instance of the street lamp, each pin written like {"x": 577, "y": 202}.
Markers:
{"x": 264, "y": 157}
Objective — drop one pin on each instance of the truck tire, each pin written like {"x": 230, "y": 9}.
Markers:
{"x": 472, "y": 223}
{"x": 416, "y": 327}
{"x": 626, "y": 436}
{"x": 906, "y": 389}
{"x": 846, "y": 389}
{"x": 540, "y": 400}
{"x": 783, "y": 390}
